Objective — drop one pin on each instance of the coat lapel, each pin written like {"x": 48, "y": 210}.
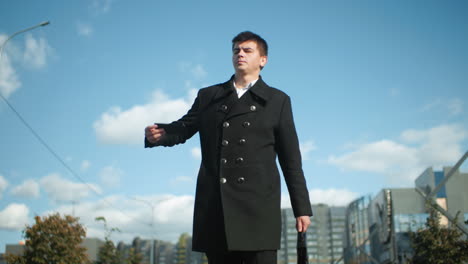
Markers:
{"x": 243, "y": 105}
{"x": 261, "y": 91}
{"x": 226, "y": 98}
{"x": 252, "y": 101}
{"x": 230, "y": 105}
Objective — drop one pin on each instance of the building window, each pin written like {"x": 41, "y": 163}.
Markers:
{"x": 409, "y": 222}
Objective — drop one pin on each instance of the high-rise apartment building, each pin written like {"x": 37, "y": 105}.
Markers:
{"x": 163, "y": 252}
{"x": 91, "y": 245}
{"x": 183, "y": 253}
{"x": 324, "y": 235}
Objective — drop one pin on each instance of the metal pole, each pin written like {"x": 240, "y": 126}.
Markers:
{"x": 442, "y": 211}
{"x": 151, "y": 226}
{"x": 361, "y": 249}
{"x": 19, "y": 32}
{"x": 447, "y": 177}
{"x": 373, "y": 260}
{"x": 430, "y": 197}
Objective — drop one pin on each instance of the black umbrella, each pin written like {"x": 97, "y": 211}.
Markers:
{"x": 302, "y": 257}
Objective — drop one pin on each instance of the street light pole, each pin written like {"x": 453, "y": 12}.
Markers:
{"x": 19, "y": 32}
{"x": 151, "y": 226}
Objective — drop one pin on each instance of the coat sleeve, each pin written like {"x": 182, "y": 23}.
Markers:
{"x": 180, "y": 130}
{"x": 289, "y": 155}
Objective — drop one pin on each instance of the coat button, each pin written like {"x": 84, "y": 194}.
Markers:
{"x": 226, "y": 124}
{"x": 242, "y": 141}
{"x": 223, "y": 108}
{"x": 240, "y": 180}
{"x": 222, "y": 180}
{"x": 224, "y": 142}
{"x": 246, "y": 124}
{"x": 253, "y": 108}
{"x": 239, "y": 160}
{"x": 223, "y": 161}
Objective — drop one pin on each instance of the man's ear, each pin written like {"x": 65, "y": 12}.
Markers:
{"x": 263, "y": 61}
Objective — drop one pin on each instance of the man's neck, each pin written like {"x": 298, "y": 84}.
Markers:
{"x": 242, "y": 80}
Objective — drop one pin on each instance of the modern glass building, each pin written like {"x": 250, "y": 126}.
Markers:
{"x": 357, "y": 244}
{"x": 452, "y": 197}
{"x": 383, "y": 235}
{"x": 393, "y": 213}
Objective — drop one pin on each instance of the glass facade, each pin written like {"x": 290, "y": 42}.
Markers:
{"x": 409, "y": 222}
{"x": 356, "y": 244}
{"x": 439, "y": 176}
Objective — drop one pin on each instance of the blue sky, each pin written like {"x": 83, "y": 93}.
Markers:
{"x": 379, "y": 92}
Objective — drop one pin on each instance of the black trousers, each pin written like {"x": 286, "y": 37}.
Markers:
{"x": 242, "y": 257}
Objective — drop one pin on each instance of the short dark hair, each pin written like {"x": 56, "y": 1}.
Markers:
{"x": 247, "y": 35}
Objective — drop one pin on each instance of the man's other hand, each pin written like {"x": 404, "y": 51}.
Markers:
{"x": 302, "y": 223}
{"x": 153, "y": 133}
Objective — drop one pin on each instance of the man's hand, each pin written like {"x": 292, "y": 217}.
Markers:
{"x": 153, "y": 133}
{"x": 302, "y": 223}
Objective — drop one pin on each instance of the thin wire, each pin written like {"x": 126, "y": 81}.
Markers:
{"x": 39, "y": 138}
{"x": 61, "y": 161}
{"x": 42, "y": 141}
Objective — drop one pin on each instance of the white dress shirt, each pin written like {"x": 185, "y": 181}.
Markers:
{"x": 241, "y": 91}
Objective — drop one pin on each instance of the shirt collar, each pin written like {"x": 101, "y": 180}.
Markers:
{"x": 244, "y": 88}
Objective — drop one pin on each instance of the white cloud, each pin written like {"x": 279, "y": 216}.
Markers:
{"x": 14, "y": 217}
{"x": 306, "y": 148}
{"x": 455, "y": 106}
{"x": 394, "y": 92}
{"x": 402, "y": 162}
{"x": 117, "y": 126}
{"x": 376, "y": 157}
{"x": 452, "y": 106}
{"x": 85, "y": 164}
{"x": 172, "y": 216}
{"x": 101, "y": 6}
{"x": 84, "y": 29}
{"x": 196, "y": 153}
{"x": 28, "y": 189}
{"x": 127, "y": 127}
{"x": 62, "y": 190}
{"x": 181, "y": 180}
{"x": 36, "y": 52}
{"x": 3, "y": 185}
{"x": 431, "y": 105}
{"x": 9, "y": 80}
{"x": 439, "y": 146}
{"x": 110, "y": 176}
{"x": 330, "y": 197}
{"x": 196, "y": 71}
{"x": 34, "y": 55}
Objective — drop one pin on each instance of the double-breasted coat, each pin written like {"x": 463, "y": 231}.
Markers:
{"x": 237, "y": 200}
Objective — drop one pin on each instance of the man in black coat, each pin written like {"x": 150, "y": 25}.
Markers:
{"x": 243, "y": 124}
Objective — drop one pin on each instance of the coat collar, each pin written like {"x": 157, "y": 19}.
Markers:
{"x": 260, "y": 89}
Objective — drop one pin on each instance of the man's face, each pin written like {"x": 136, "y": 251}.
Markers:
{"x": 246, "y": 57}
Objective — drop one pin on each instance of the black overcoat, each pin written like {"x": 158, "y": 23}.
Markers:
{"x": 238, "y": 196}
